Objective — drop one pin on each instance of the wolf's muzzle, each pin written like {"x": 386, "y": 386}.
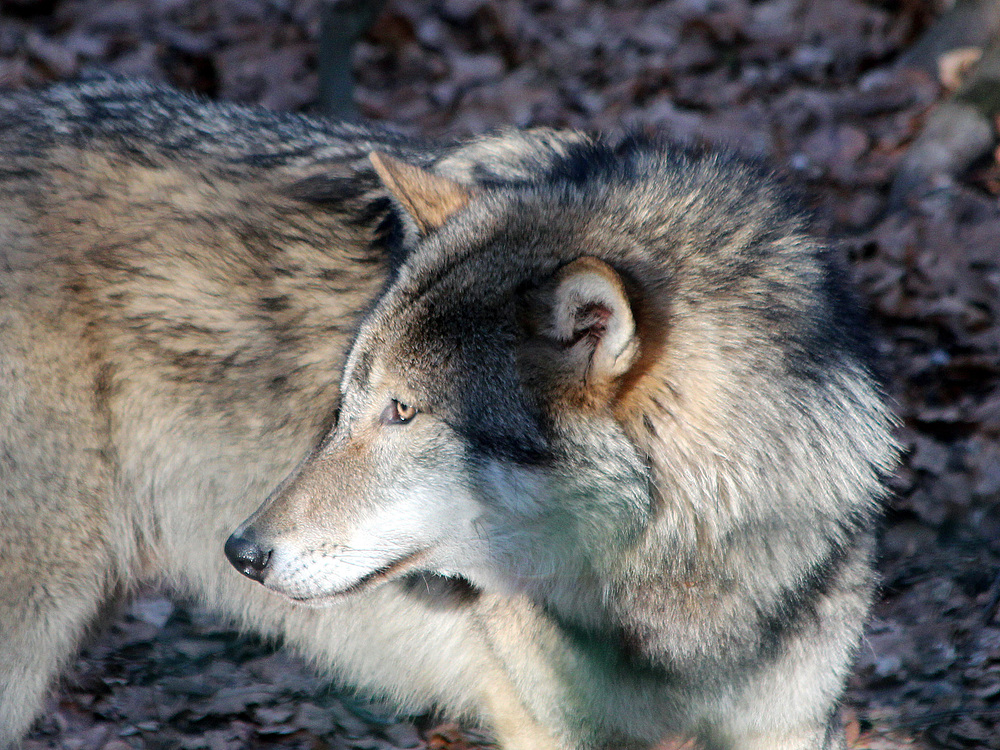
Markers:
{"x": 246, "y": 555}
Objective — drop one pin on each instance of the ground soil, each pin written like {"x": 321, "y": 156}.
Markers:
{"x": 812, "y": 86}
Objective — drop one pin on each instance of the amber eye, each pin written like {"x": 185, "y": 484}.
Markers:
{"x": 398, "y": 413}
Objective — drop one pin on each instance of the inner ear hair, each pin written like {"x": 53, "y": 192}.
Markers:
{"x": 591, "y": 302}
{"x": 428, "y": 198}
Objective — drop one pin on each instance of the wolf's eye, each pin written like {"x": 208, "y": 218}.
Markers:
{"x": 398, "y": 413}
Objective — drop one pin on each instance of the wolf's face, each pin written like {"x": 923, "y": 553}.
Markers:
{"x": 476, "y": 436}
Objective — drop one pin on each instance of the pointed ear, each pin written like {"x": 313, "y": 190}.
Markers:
{"x": 428, "y": 198}
{"x": 591, "y": 313}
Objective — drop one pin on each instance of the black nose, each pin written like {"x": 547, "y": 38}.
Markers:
{"x": 247, "y": 556}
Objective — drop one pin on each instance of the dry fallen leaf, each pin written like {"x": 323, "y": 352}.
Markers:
{"x": 955, "y": 64}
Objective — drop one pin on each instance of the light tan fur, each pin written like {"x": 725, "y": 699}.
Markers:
{"x": 179, "y": 283}
{"x": 428, "y": 198}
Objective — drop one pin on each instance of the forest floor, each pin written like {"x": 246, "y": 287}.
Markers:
{"x": 813, "y": 87}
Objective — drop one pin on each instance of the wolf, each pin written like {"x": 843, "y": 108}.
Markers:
{"x": 580, "y": 439}
{"x": 179, "y": 284}
{"x": 626, "y": 413}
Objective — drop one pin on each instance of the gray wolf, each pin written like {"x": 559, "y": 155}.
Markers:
{"x": 601, "y": 469}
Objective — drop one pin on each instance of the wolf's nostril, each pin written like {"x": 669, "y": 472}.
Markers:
{"x": 247, "y": 557}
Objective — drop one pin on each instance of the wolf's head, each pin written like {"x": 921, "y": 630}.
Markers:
{"x": 632, "y": 338}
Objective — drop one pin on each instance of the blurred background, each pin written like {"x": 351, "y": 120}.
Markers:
{"x": 884, "y": 110}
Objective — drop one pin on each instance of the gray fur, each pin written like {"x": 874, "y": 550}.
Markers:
{"x": 669, "y": 539}
{"x": 647, "y": 431}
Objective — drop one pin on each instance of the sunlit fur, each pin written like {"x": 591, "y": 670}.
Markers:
{"x": 666, "y": 522}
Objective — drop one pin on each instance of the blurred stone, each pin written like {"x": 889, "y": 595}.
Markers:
{"x": 116, "y": 16}
{"x": 461, "y": 11}
{"x": 861, "y": 209}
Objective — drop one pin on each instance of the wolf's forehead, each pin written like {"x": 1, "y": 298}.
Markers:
{"x": 424, "y": 343}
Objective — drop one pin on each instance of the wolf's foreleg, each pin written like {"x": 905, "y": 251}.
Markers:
{"x": 791, "y": 703}
{"x": 38, "y": 633}
{"x": 564, "y": 695}
{"x": 57, "y": 549}
{"x": 53, "y": 581}
{"x": 811, "y": 737}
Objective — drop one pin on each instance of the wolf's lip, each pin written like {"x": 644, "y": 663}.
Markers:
{"x": 394, "y": 569}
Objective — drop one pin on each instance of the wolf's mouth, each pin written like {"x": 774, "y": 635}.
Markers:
{"x": 395, "y": 569}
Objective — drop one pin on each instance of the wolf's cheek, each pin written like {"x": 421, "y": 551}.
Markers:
{"x": 569, "y": 519}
